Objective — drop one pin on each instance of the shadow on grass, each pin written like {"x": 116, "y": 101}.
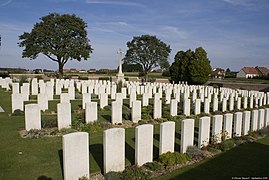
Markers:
{"x": 248, "y": 160}
{"x": 129, "y": 153}
{"x": 44, "y": 178}
{"x": 107, "y": 117}
{"x": 177, "y": 146}
{"x": 60, "y": 153}
{"x": 155, "y": 152}
{"x": 97, "y": 153}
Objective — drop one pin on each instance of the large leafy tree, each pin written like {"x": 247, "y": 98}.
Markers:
{"x": 148, "y": 51}
{"x": 193, "y": 67}
{"x": 59, "y": 37}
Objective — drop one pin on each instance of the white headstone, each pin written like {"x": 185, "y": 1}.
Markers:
{"x": 86, "y": 97}
{"x": 224, "y": 105}
{"x": 64, "y": 97}
{"x": 206, "y": 106}
{"x": 254, "y": 120}
{"x": 76, "y": 155}
{"x": 136, "y": 111}
{"x": 246, "y": 122}
{"x": 15, "y": 88}
{"x": 245, "y": 106}
{"x": 173, "y": 107}
{"x": 167, "y": 137}
{"x": 145, "y": 99}
{"x": 143, "y": 144}
{"x": 204, "y": 130}
{"x": 114, "y": 149}
{"x": 71, "y": 92}
{"x": 187, "y": 134}
{"x": 91, "y": 112}
{"x": 17, "y": 102}
{"x": 217, "y": 128}
{"x": 261, "y": 119}
{"x": 215, "y": 104}
{"x": 42, "y": 101}
{"x": 266, "y": 117}
{"x": 34, "y": 86}
{"x": 157, "y": 111}
{"x": 186, "y": 107}
{"x": 64, "y": 115}
{"x": 238, "y": 123}
{"x": 197, "y": 107}
{"x": 227, "y": 126}
{"x": 116, "y": 115}
{"x": 103, "y": 100}
{"x": 32, "y": 117}
{"x": 238, "y": 103}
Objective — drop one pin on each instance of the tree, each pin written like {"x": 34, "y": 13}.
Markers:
{"x": 59, "y": 37}
{"x": 132, "y": 67}
{"x": 193, "y": 67}
{"x": 148, "y": 51}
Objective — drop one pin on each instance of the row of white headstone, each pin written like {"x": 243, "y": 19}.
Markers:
{"x": 33, "y": 115}
{"x": 250, "y": 98}
{"x": 91, "y": 112}
{"x": 76, "y": 145}
{"x": 102, "y": 89}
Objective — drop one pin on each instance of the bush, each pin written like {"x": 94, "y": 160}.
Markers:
{"x": 18, "y": 112}
{"x": 83, "y": 77}
{"x": 146, "y": 116}
{"x": 147, "y": 112}
{"x": 113, "y": 175}
{"x": 130, "y": 173}
{"x": 134, "y": 172}
{"x": 104, "y": 78}
{"x": 227, "y": 145}
{"x": 92, "y": 127}
{"x": 195, "y": 153}
{"x": 153, "y": 166}
{"x": 169, "y": 158}
{"x": 49, "y": 122}
{"x": 67, "y": 130}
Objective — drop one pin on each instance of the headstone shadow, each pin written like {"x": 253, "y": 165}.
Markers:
{"x": 130, "y": 153}
{"x": 97, "y": 153}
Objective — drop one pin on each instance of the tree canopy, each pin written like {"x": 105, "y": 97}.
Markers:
{"x": 191, "y": 66}
{"x": 132, "y": 67}
{"x": 59, "y": 37}
{"x": 148, "y": 51}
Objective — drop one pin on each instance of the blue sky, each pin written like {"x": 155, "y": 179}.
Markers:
{"x": 235, "y": 33}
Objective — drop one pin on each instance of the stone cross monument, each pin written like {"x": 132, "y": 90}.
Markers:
{"x": 120, "y": 75}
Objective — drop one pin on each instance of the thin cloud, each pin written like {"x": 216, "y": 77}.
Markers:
{"x": 120, "y": 3}
{"x": 240, "y": 2}
{"x": 6, "y": 3}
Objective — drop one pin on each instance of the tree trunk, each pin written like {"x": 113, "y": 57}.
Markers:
{"x": 61, "y": 68}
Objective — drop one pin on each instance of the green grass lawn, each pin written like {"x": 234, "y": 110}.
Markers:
{"x": 245, "y": 160}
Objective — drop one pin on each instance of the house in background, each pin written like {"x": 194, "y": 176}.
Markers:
{"x": 218, "y": 73}
{"x": 250, "y": 72}
{"x": 263, "y": 71}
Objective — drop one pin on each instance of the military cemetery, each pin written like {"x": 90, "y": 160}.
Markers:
{"x": 226, "y": 123}
{"x": 134, "y": 90}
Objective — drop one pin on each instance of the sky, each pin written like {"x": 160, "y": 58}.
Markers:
{"x": 234, "y": 33}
